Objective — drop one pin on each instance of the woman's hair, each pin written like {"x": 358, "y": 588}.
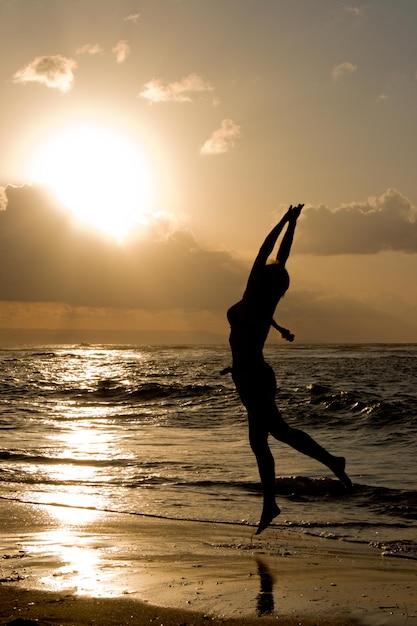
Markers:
{"x": 276, "y": 277}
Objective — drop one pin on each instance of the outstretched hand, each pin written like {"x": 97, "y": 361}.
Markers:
{"x": 294, "y": 211}
{"x": 288, "y": 221}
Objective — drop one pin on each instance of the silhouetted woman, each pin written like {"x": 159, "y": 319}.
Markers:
{"x": 250, "y": 320}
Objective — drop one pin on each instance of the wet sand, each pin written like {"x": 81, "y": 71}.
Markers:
{"x": 63, "y": 565}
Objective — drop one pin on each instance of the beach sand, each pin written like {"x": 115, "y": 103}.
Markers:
{"x": 65, "y": 565}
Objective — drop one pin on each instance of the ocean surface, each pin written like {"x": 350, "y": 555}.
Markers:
{"x": 155, "y": 430}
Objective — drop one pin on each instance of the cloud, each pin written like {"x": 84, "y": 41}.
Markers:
{"x": 121, "y": 51}
{"x": 133, "y": 18}
{"x": 343, "y": 69}
{"x": 90, "y": 48}
{"x": 313, "y": 315}
{"x": 56, "y": 72}
{"x": 354, "y": 11}
{"x": 46, "y": 258}
{"x": 51, "y": 259}
{"x": 223, "y": 139}
{"x": 3, "y": 199}
{"x": 155, "y": 91}
{"x": 384, "y": 223}
{"x": 349, "y": 14}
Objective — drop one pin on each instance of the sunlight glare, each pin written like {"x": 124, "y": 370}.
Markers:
{"x": 73, "y": 508}
{"x": 81, "y": 562}
{"x": 80, "y": 569}
{"x": 100, "y": 175}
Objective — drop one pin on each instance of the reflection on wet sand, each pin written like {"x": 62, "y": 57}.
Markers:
{"x": 80, "y": 567}
{"x": 78, "y": 561}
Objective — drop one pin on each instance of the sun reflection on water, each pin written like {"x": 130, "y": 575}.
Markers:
{"x": 73, "y": 476}
{"x": 75, "y": 508}
{"x": 84, "y": 453}
{"x": 83, "y": 440}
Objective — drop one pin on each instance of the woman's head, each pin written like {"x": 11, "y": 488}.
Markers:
{"x": 275, "y": 279}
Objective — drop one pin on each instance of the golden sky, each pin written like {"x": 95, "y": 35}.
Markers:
{"x": 149, "y": 146}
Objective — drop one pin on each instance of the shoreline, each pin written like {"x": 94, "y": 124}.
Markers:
{"x": 22, "y": 607}
{"x": 78, "y": 566}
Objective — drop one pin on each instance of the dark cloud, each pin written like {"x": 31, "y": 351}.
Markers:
{"x": 45, "y": 256}
{"x": 386, "y": 223}
{"x": 313, "y": 315}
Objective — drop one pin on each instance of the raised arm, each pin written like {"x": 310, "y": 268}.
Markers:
{"x": 286, "y": 243}
{"x": 268, "y": 246}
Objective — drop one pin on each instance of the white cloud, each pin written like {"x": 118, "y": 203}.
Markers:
{"x": 134, "y": 18}
{"x": 384, "y": 223}
{"x": 121, "y": 50}
{"x": 223, "y": 139}
{"x": 3, "y": 199}
{"x": 90, "y": 48}
{"x": 55, "y": 71}
{"x": 180, "y": 91}
{"x": 342, "y": 69}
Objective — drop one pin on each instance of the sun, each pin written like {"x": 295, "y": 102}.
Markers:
{"x": 100, "y": 174}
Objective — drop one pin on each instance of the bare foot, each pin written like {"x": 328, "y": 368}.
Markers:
{"x": 266, "y": 518}
{"x": 339, "y": 470}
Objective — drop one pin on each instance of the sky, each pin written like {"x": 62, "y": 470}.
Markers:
{"x": 149, "y": 146}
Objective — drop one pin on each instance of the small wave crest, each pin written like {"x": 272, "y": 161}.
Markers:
{"x": 358, "y": 408}
{"x": 115, "y": 392}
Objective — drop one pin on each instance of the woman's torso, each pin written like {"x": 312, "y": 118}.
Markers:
{"x": 249, "y": 327}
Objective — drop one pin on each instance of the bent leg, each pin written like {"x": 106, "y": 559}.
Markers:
{"x": 302, "y": 442}
{"x": 258, "y": 438}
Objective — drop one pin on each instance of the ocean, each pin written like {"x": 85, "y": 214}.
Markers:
{"x": 157, "y": 431}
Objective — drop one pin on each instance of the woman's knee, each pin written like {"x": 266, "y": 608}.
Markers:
{"x": 283, "y": 432}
